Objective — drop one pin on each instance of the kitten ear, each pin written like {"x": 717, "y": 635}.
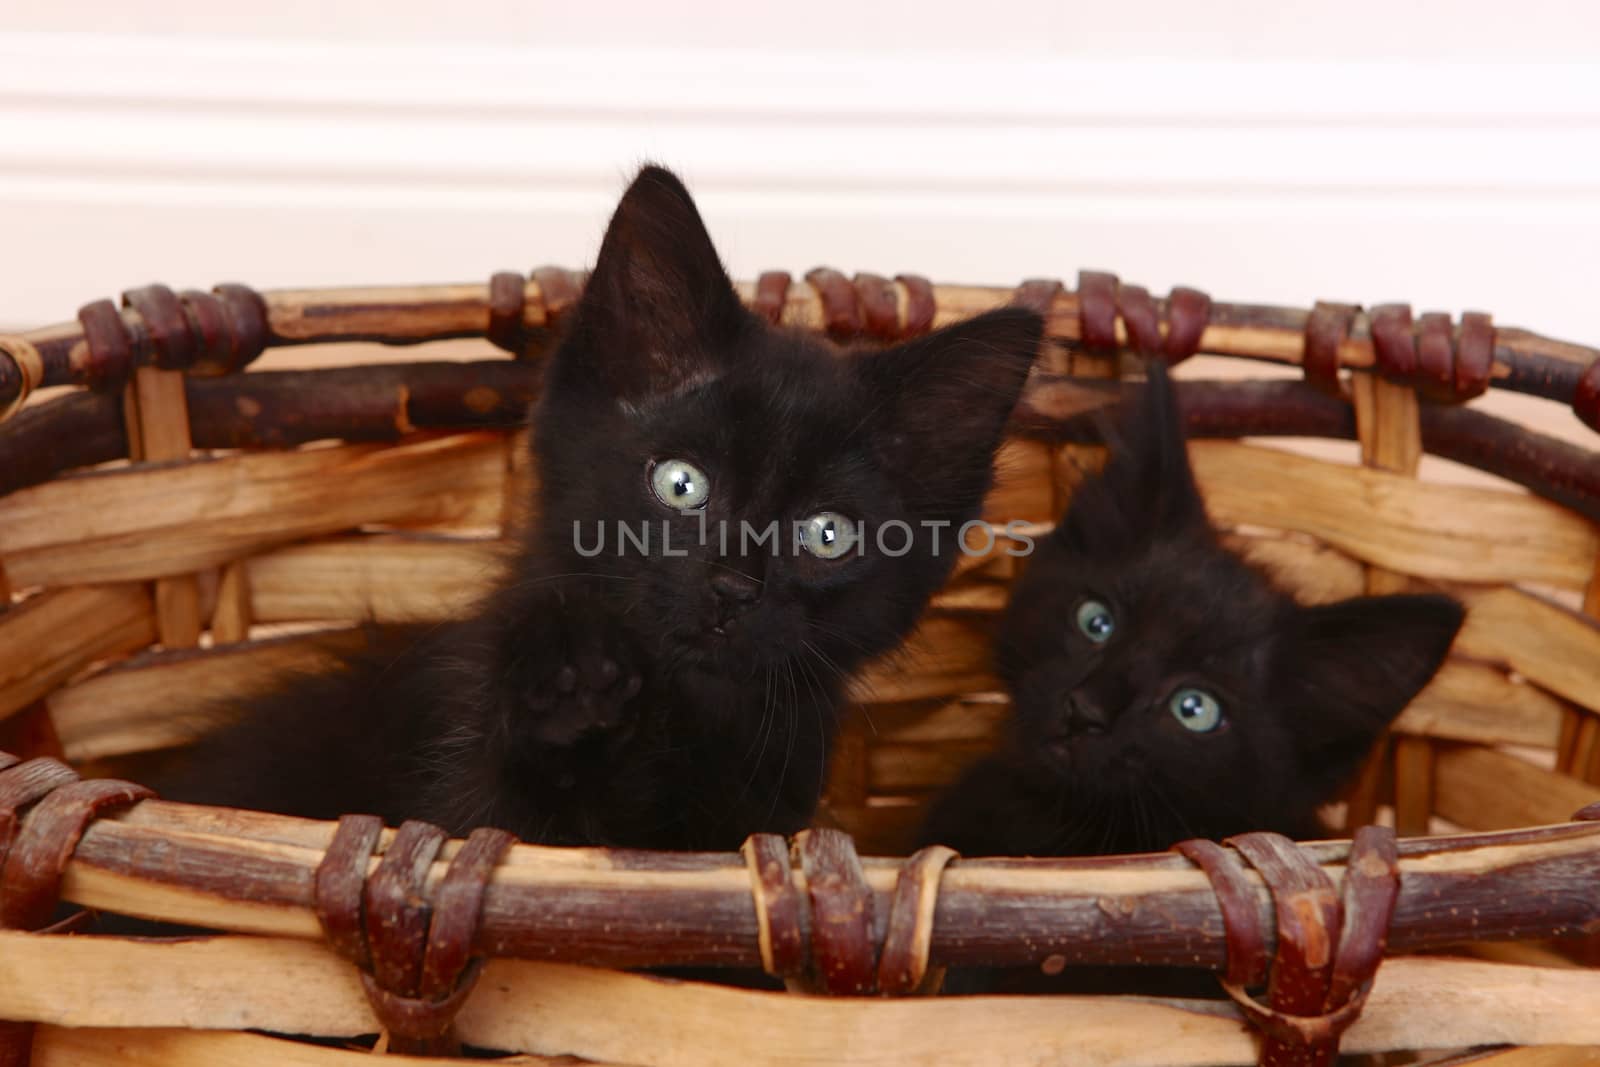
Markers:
{"x": 1146, "y": 490}
{"x": 1159, "y": 447}
{"x": 659, "y": 312}
{"x": 1351, "y": 667}
{"x": 1151, "y": 454}
{"x": 941, "y": 403}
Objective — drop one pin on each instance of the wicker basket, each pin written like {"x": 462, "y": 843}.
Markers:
{"x": 264, "y": 515}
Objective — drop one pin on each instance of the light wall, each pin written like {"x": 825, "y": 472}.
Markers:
{"x": 1446, "y": 154}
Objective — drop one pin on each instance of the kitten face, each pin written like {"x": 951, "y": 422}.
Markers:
{"x": 1155, "y": 672}
{"x": 1152, "y": 671}
{"x": 743, "y": 596}
{"x": 747, "y": 455}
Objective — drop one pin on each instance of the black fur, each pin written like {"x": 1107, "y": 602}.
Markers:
{"x": 1096, "y": 762}
{"x": 638, "y": 699}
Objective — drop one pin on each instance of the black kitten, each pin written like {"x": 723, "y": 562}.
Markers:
{"x": 1163, "y": 688}
{"x": 664, "y": 663}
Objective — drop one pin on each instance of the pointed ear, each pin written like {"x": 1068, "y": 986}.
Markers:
{"x": 1351, "y": 667}
{"x": 1157, "y": 450}
{"x": 658, "y": 312}
{"x": 1146, "y": 490}
{"x": 941, "y": 403}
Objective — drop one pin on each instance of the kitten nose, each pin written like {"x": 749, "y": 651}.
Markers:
{"x": 731, "y": 585}
{"x": 735, "y": 591}
{"x": 1083, "y": 716}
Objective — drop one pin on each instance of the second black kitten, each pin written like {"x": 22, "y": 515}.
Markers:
{"x": 663, "y": 665}
{"x": 1163, "y": 688}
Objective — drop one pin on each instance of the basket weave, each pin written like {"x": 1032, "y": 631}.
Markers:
{"x": 265, "y": 515}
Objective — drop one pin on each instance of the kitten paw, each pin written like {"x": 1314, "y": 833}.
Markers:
{"x": 584, "y": 691}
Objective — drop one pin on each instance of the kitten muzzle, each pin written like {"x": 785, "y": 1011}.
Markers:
{"x": 1081, "y": 716}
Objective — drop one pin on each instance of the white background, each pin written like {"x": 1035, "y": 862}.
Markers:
{"x": 1446, "y": 154}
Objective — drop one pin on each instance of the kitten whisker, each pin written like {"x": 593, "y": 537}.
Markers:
{"x": 788, "y": 748}
{"x": 731, "y": 569}
{"x": 768, "y": 716}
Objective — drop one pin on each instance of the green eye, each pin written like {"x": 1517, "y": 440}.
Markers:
{"x": 828, "y": 535}
{"x": 1096, "y": 621}
{"x": 1196, "y": 709}
{"x": 679, "y": 484}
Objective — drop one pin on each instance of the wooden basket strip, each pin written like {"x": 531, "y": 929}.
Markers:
{"x": 393, "y": 314}
{"x": 1566, "y": 746}
{"x": 1485, "y": 789}
{"x": 61, "y": 1046}
{"x": 1528, "y": 953}
{"x": 847, "y": 783}
{"x": 918, "y": 768}
{"x": 163, "y": 700}
{"x": 1388, "y": 427}
{"x": 50, "y": 637}
{"x": 1523, "y": 361}
{"x": 1548, "y": 644}
{"x": 1412, "y": 1001}
{"x": 971, "y": 718}
{"x": 522, "y": 483}
{"x": 1535, "y": 1056}
{"x": 385, "y": 579}
{"x": 1447, "y": 532}
{"x": 231, "y": 617}
{"x": 1317, "y": 573}
{"x": 178, "y": 611}
{"x": 555, "y": 1009}
{"x": 268, "y": 828}
{"x": 381, "y": 578}
{"x": 156, "y": 414}
{"x": 1468, "y": 701}
{"x": 192, "y": 820}
{"x": 1558, "y": 470}
{"x": 1023, "y": 486}
{"x": 382, "y": 402}
{"x": 241, "y": 823}
{"x": 150, "y": 522}
{"x": 1586, "y": 750}
{"x": 1579, "y": 751}
{"x": 944, "y": 656}
{"x": 61, "y": 434}
{"x": 275, "y": 409}
{"x": 1413, "y": 758}
{"x": 1589, "y": 771}
{"x": 638, "y": 909}
{"x": 976, "y": 594}
{"x": 883, "y": 825}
